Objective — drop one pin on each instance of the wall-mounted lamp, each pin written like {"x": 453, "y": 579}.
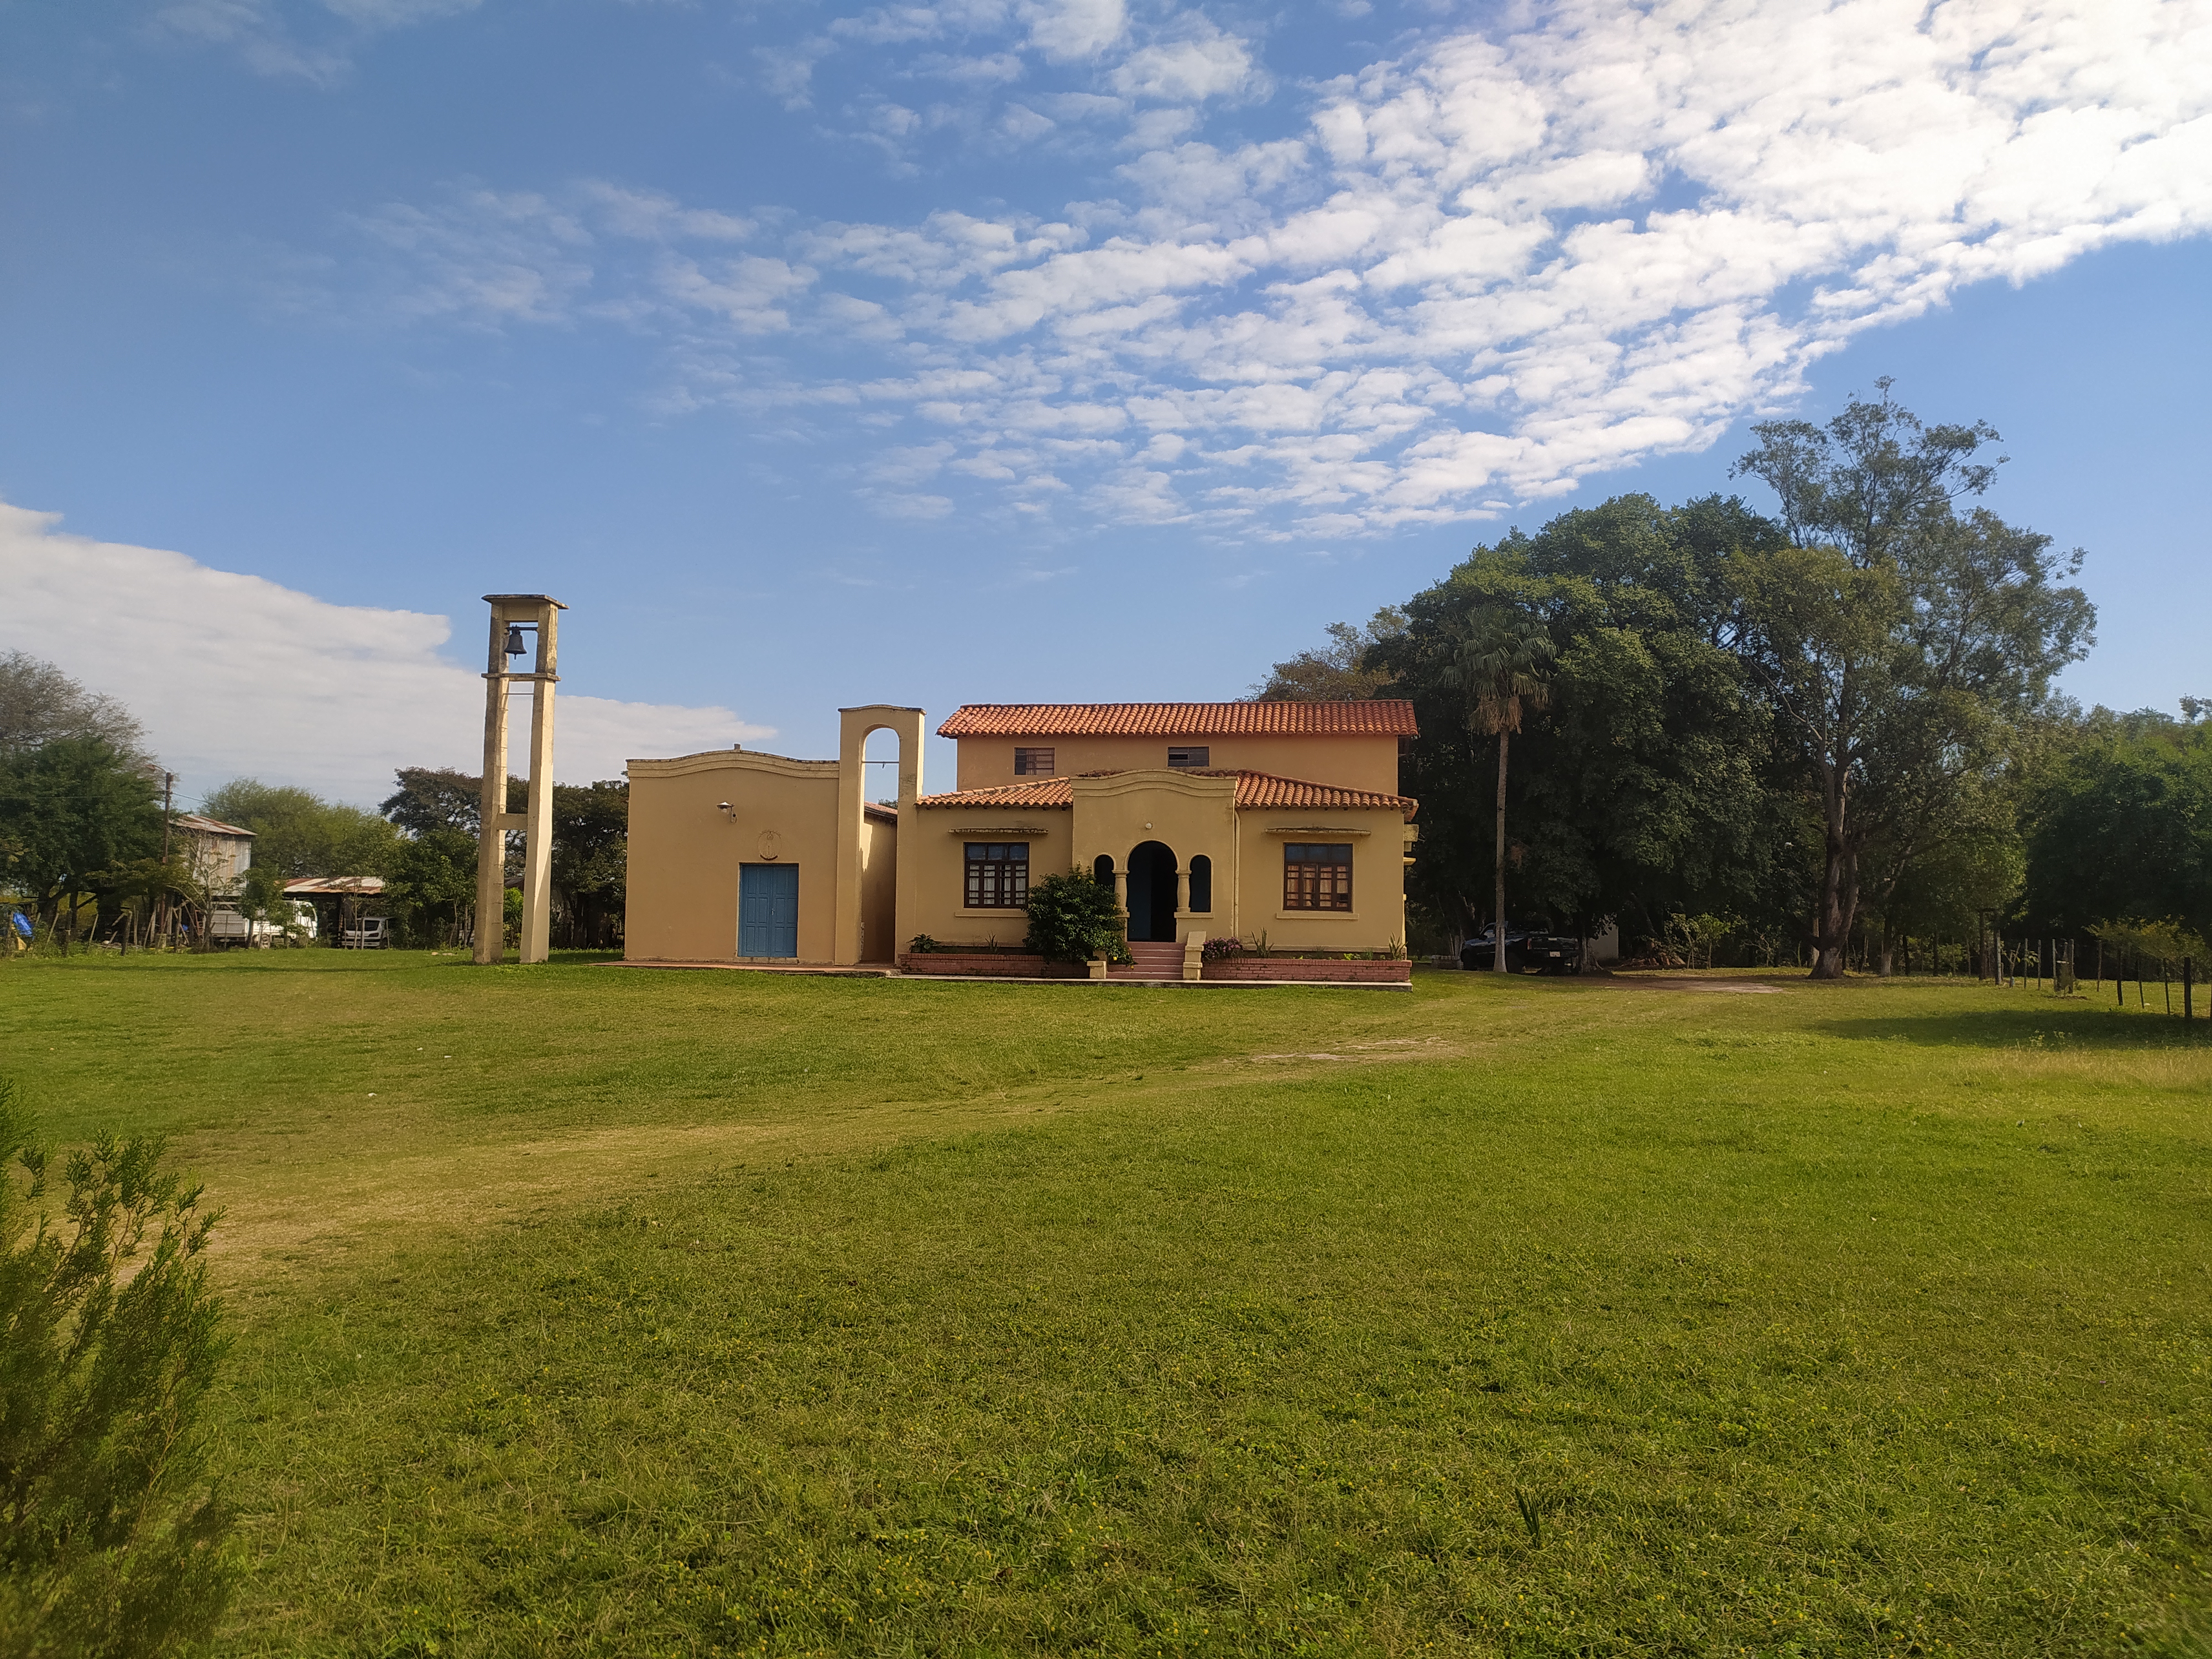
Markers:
{"x": 727, "y": 811}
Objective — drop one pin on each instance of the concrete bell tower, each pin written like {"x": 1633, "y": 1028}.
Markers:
{"x": 514, "y": 616}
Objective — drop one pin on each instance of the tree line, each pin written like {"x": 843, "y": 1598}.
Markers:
{"x": 1822, "y": 730}
{"x": 88, "y": 840}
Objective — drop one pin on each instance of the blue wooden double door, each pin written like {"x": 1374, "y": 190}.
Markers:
{"x": 768, "y": 910}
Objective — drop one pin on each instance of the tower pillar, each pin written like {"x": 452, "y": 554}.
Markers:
{"x": 516, "y": 619}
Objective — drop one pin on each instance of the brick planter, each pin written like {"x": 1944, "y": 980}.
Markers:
{"x": 992, "y": 964}
{"x": 1301, "y": 968}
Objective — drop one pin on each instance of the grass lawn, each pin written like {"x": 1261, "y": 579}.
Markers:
{"x": 582, "y": 1310}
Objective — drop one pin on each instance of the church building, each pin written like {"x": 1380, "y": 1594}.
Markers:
{"x": 1275, "y": 825}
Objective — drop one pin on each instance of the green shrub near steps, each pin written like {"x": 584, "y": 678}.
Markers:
{"x": 1073, "y": 918}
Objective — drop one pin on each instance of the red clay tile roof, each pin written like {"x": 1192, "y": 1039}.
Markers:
{"x": 1261, "y": 789}
{"x": 1253, "y": 790}
{"x": 1382, "y": 718}
{"x": 1045, "y": 792}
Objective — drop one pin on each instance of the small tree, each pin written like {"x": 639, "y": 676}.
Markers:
{"x": 110, "y": 1540}
{"x": 1073, "y": 918}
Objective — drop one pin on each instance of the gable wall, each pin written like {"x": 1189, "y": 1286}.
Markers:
{"x": 685, "y": 853}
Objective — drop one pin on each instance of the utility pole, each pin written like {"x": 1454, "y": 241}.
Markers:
{"x": 168, "y": 795}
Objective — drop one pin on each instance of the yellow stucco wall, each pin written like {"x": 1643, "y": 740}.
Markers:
{"x": 1351, "y": 763}
{"x": 685, "y": 853}
{"x": 1378, "y": 918}
{"x": 1190, "y": 815}
{"x": 937, "y": 850}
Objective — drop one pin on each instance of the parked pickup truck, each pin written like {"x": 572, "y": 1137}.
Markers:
{"x": 1525, "y": 952}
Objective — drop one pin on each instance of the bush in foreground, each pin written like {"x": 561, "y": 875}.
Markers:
{"x": 109, "y": 1339}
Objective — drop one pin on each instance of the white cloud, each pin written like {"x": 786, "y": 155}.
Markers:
{"x": 1505, "y": 261}
{"x": 235, "y": 676}
{"x": 1488, "y": 268}
{"x": 746, "y": 292}
{"x": 1066, "y": 29}
{"x": 1209, "y": 64}
{"x": 266, "y": 35}
{"x": 482, "y": 256}
{"x": 998, "y": 68}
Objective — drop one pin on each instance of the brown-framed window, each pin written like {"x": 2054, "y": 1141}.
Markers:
{"x": 1317, "y": 875}
{"x": 1032, "y": 762}
{"x": 1188, "y": 757}
{"x": 998, "y": 875}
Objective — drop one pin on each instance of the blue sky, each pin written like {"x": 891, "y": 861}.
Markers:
{"x": 1015, "y": 350}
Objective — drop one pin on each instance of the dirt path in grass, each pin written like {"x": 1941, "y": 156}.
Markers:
{"x": 283, "y": 1212}
{"x": 293, "y": 1199}
{"x": 1684, "y": 983}
{"x": 320, "y": 1187}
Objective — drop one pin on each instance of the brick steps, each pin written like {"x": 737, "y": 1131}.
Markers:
{"x": 1155, "y": 959}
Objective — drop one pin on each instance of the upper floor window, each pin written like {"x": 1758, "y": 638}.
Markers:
{"x": 1317, "y": 875}
{"x": 1032, "y": 762}
{"x": 1188, "y": 756}
{"x": 998, "y": 875}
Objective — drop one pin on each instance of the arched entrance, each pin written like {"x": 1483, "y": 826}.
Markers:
{"x": 1151, "y": 894}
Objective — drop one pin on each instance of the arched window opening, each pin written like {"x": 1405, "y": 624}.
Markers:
{"x": 1102, "y": 870}
{"x": 879, "y": 767}
{"x": 1201, "y": 885}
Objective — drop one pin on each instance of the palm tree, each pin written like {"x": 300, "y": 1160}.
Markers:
{"x": 1497, "y": 668}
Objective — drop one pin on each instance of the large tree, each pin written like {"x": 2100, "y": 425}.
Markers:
{"x": 1337, "y": 672}
{"x": 2121, "y": 828}
{"x": 439, "y": 797}
{"x": 297, "y": 833}
{"x": 75, "y": 812}
{"x": 591, "y": 855}
{"x": 1896, "y": 640}
{"x": 437, "y": 807}
{"x": 1645, "y": 790}
{"x": 39, "y": 703}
